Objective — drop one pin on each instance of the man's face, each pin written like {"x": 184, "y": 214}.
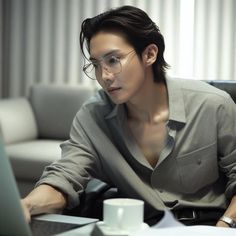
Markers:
{"x": 119, "y": 70}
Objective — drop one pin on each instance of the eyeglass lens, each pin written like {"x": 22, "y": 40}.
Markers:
{"x": 110, "y": 63}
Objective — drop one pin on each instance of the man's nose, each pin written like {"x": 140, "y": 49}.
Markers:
{"x": 105, "y": 73}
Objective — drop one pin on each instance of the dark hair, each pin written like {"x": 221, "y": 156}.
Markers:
{"x": 135, "y": 25}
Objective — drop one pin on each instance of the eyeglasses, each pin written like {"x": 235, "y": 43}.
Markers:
{"x": 111, "y": 63}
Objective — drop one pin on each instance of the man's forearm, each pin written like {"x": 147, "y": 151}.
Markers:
{"x": 45, "y": 199}
{"x": 230, "y": 212}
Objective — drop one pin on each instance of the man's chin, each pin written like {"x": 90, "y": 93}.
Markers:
{"x": 118, "y": 101}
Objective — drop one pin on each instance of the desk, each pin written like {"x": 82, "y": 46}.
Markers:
{"x": 188, "y": 230}
{"x": 177, "y": 231}
{"x": 167, "y": 226}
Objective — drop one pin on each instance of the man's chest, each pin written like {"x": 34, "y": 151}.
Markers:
{"x": 150, "y": 139}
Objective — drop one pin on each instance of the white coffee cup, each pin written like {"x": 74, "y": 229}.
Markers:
{"x": 123, "y": 213}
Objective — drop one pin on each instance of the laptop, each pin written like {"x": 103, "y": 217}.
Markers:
{"x": 12, "y": 221}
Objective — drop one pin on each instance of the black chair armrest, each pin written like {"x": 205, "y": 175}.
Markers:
{"x": 91, "y": 201}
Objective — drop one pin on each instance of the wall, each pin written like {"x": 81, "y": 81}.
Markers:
{"x": 40, "y": 39}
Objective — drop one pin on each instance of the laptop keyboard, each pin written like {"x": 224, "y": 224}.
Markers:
{"x": 48, "y": 228}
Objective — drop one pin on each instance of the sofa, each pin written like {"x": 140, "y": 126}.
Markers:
{"x": 33, "y": 127}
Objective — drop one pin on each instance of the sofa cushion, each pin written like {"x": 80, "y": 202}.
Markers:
{"x": 17, "y": 121}
{"x": 55, "y": 107}
{"x": 29, "y": 159}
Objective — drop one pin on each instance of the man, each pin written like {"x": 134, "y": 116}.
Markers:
{"x": 171, "y": 143}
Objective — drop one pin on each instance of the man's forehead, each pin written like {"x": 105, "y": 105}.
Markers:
{"x": 104, "y": 42}
{"x": 105, "y": 54}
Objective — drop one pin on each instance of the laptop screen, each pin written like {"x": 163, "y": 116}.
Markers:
{"x": 12, "y": 221}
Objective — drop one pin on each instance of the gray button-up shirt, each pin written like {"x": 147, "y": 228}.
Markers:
{"x": 196, "y": 168}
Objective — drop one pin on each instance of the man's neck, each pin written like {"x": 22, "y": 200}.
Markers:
{"x": 151, "y": 105}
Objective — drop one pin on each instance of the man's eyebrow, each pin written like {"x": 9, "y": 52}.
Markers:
{"x": 104, "y": 55}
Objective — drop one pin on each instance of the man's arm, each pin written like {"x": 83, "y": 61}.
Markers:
{"x": 43, "y": 199}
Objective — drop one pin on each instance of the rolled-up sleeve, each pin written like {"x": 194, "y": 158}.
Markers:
{"x": 79, "y": 163}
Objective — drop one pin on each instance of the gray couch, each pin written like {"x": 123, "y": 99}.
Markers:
{"x": 33, "y": 128}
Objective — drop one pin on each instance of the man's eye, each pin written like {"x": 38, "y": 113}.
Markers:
{"x": 113, "y": 60}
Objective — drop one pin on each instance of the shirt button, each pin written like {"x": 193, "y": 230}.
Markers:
{"x": 199, "y": 161}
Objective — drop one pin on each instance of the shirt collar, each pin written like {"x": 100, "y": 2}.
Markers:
{"x": 176, "y": 101}
{"x": 118, "y": 111}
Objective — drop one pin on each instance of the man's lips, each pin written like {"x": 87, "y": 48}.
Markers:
{"x": 113, "y": 89}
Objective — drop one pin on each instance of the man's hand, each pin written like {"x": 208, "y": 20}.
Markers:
{"x": 43, "y": 199}
{"x": 26, "y": 209}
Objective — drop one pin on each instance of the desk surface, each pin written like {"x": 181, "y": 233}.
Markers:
{"x": 188, "y": 230}
{"x": 177, "y": 231}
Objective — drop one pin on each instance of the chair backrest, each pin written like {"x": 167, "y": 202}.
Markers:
{"x": 55, "y": 106}
{"x": 228, "y": 86}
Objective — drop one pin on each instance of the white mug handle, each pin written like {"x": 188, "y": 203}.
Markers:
{"x": 120, "y": 214}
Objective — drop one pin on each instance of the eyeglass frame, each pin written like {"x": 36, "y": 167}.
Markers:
{"x": 101, "y": 60}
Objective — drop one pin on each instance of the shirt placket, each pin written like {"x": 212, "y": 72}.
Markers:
{"x": 167, "y": 150}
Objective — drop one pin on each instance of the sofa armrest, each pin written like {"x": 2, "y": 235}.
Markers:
{"x": 17, "y": 121}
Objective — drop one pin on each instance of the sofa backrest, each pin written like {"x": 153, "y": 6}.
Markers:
{"x": 55, "y": 106}
{"x": 17, "y": 121}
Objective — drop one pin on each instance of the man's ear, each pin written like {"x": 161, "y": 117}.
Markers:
{"x": 149, "y": 54}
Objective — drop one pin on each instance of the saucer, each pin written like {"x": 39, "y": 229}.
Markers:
{"x": 105, "y": 230}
